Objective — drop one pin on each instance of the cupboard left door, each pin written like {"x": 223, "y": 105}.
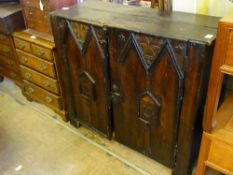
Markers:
{"x": 83, "y": 63}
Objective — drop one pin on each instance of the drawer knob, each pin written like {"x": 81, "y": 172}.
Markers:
{"x": 21, "y": 45}
{"x": 40, "y": 52}
{"x": 28, "y": 75}
{"x": 43, "y": 67}
{"x": 10, "y": 62}
{"x": 24, "y": 60}
{"x": 48, "y": 99}
{"x": 13, "y": 75}
{"x": 30, "y": 90}
{"x": 46, "y": 84}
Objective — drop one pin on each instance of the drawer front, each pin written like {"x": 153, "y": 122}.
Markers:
{"x": 42, "y": 95}
{"x": 4, "y": 39}
{"x": 221, "y": 154}
{"x": 5, "y": 50}
{"x": 229, "y": 46}
{"x": 8, "y": 63}
{"x": 42, "y": 52}
{"x": 36, "y": 63}
{"x": 22, "y": 45}
{"x": 36, "y": 4}
{"x": 39, "y": 79}
{"x": 40, "y": 26}
{"x": 10, "y": 74}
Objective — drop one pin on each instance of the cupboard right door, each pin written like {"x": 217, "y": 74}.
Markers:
{"x": 147, "y": 89}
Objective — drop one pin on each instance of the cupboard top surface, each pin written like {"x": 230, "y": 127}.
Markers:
{"x": 176, "y": 25}
{"x": 7, "y": 9}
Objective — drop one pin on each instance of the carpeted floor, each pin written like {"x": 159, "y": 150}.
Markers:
{"x": 34, "y": 141}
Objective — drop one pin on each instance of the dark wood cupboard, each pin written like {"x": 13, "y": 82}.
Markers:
{"x": 137, "y": 72}
{"x": 11, "y": 20}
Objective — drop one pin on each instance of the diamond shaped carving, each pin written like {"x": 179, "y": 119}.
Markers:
{"x": 148, "y": 107}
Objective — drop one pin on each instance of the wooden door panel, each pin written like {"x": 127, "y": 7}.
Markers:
{"x": 88, "y": 71}
{"x": 147, "y": 76}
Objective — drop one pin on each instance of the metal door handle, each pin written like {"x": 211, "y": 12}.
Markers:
{"x": 43, "y": 67}
{"x": 40, "y": 52}
{"x": 46, "y": 84}
{"x": 29, "y": 91}
{"x": 24, "y": 60}
{"x": 21, "y": 45}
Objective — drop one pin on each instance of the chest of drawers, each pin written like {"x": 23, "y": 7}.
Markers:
{"x": 217, "y": 141}
{"x": 11, "y": 19}
{"x": 38, "y": 70}
{"x": 36, "y": 12}
{"x": 137, "y": 72}
{"x": 36, "y": 51}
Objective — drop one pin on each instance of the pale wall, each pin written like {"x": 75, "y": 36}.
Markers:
{"x": 184, "y": 5}
{"x": 208, "y": 7}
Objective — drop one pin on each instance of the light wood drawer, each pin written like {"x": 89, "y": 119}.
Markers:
{"x": 8, "y": 63}
{"x": 42, "y": 52}
{"x": 39, "y": 79}
{"x": 38, "y": 94}
{"x": 22, "y": 45}
{"x": 4, "y": 39}
{"x": 221, "y": 154}
{"x": 36, "y": 63}
{"x": 5, "y": 50}
{"x": 10, "y": 74}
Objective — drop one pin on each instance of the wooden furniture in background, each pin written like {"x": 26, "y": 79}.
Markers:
{"x": 11, "y": 19}
{"x": 154, "y": 3}
{"x": 146, "y": 81}
{"x": 165, "y": 5}
{"x": 217, "y": 142}
{"x": 38, "y": 70}
{"x": 36, "y": 52}
{"x": 36, "y": 13}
